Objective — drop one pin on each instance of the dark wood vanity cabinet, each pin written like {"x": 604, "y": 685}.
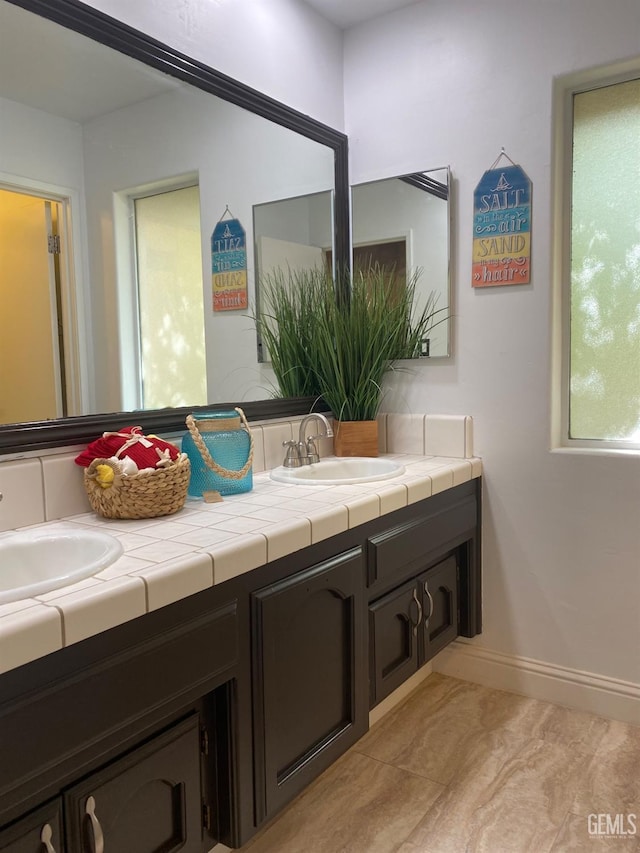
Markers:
{"x": 309, "y": 666}
{"x": 410, "y": 625}
{"x": 149, "y": 800}
{"x": 39, "y": 832}
{"x": 440, "y": 615}
{"x": 128, "y": 735}
{"x": 423, "y": 585}
{"x": 199, "y": 721}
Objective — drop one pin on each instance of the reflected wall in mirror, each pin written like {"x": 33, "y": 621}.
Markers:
{"x": 404, "y": 223}
{"x": 87, "y": 132}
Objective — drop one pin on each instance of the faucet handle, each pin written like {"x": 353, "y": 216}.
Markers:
{"x": 292, "y": 456}
{"x": 313, "y": 455}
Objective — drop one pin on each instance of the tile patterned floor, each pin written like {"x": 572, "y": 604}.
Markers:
{"x": 460, "y": 768}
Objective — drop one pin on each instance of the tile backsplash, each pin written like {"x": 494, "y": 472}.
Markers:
{"x": 48, "y": 487}
{"x": 22, "y": 488}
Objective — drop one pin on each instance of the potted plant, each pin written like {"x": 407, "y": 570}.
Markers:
{"x": 344, "y": 341}
{"x": 357, "y": 343}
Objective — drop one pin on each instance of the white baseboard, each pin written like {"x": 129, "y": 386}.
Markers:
{"x": 586, "y": 691}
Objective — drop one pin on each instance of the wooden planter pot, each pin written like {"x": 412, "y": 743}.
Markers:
{"x": 355, "y": 438}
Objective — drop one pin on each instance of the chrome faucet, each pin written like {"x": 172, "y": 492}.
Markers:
{"x": 304, "y": 451}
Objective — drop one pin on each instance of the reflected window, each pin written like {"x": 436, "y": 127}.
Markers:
{"x": 170, "y": 299}
{"x": 604, "y": 348}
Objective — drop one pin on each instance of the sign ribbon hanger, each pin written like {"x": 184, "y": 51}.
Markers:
{"x": 502, "y": 154}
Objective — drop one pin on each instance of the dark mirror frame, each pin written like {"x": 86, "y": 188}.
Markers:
{"x": 74, "y": 15}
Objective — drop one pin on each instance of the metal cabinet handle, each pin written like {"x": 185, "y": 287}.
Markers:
{"x": 98, "y": 839}
{"x": 419, "y": 620}
{"x": 430, "y": 614}
{"x": 45, "y": 837}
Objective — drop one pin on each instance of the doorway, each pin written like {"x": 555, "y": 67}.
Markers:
{"x": 32, "y": 363}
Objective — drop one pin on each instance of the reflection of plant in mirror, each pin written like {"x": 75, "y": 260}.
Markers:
{"x": 321, "y": 343}
{"x": 289, "y": 304}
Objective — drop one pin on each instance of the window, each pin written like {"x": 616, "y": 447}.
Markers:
{"x": 602, "y": 309}
{"x": 170, "y": 299}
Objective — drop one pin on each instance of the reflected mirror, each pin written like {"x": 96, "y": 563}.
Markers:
{"x": 404, "y": 223}
{"x": 113, "y": 177}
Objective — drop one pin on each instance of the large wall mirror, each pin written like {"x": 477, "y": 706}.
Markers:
{"x": 403, "y": 223}
{"x": 118, "y": 159}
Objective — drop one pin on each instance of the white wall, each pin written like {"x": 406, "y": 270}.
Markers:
{"x": 443, "y": 82}
{"x": 280, "y": 47}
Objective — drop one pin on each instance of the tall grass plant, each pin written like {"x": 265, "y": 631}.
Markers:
{"x": 323, "y": 344}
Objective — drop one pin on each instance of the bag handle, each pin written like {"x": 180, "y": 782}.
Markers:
{"x": 208, "y": 458}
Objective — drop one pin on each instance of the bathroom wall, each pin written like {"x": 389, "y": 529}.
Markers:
{"x": 280, "y": 47}
{"x": 442, "y": 82}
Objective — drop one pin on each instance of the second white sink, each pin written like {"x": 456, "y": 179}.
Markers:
{"x": 37, "y": 561}
{"x": 336, "y": 471}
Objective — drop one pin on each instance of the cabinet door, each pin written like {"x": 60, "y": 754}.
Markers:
{"x": 310, "y": 701}
{"x": 393, "y": 639}
{"x": 440, "y": 606}
{"x": 39, "y": 832}
{"x": 147, "y": 802}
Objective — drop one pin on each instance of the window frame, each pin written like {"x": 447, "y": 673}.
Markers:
{"x": 565, "y": 88}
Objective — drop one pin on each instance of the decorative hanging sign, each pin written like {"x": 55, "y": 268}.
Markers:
{"x": 502, "y": 226}
{"x": 229, "y": 264}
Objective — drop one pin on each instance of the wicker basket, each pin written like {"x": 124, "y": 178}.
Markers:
{"x": 149, "y": 494}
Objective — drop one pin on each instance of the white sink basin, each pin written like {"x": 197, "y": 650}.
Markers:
{"x": 38, "y": 561}
{"x": 336, "y": 471}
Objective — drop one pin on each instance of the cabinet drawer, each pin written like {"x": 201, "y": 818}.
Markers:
{"x": 33, "y": 833}
{"x": 403, "y": 551}
{"x": 150, "y": 800}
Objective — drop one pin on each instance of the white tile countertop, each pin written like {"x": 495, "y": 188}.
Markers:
{"x": 167, "y": 559}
